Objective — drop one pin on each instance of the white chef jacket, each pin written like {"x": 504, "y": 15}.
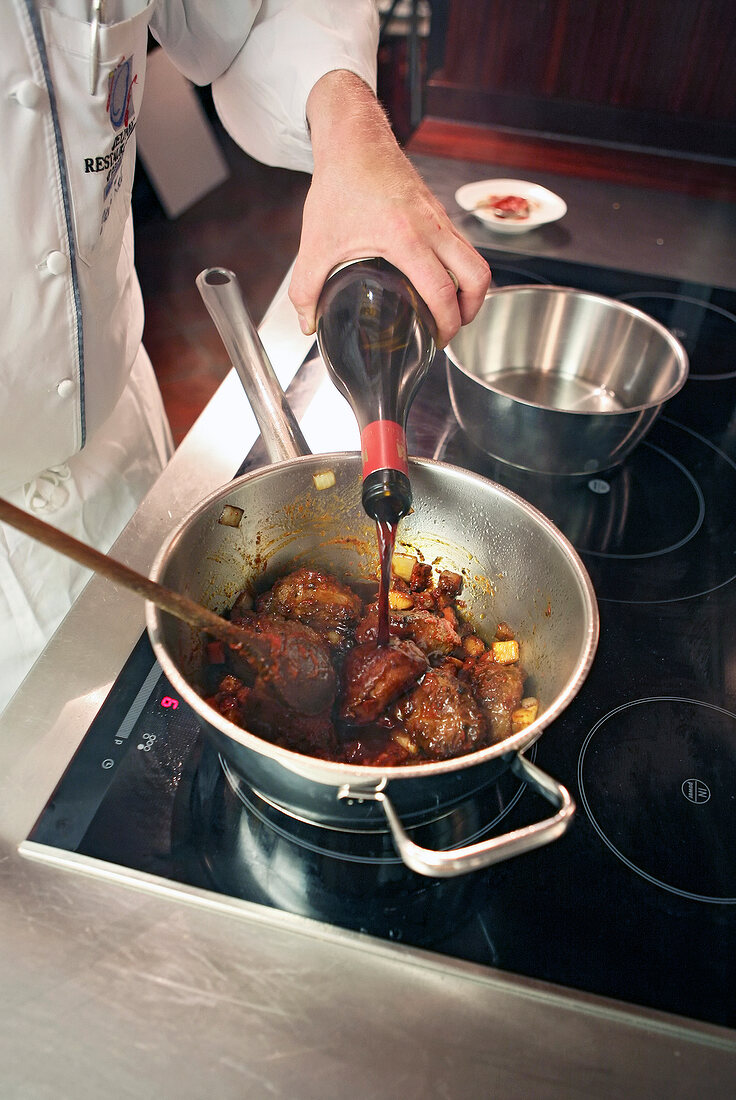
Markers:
{"x": 82, "y": 430}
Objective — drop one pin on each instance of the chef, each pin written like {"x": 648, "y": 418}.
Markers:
{"x": 83, "y": 432}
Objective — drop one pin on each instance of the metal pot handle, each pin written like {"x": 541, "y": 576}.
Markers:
{"x": 224, "y": 300}
{"x": 460, "y": 861}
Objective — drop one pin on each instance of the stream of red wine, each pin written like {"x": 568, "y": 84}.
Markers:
{"x": 386, "y": 540}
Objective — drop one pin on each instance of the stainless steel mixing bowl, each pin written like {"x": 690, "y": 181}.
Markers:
{"x": 561, "y": 381}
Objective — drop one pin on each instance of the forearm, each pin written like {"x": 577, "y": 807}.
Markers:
{"x": 342, "y": 112}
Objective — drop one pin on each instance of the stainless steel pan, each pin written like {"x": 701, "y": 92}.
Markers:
{"x": 516, "y": 564}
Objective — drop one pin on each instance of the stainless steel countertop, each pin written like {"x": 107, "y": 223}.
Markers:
{"x": 124, "y": 985}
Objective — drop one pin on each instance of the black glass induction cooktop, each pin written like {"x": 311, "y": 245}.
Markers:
{"x": 637, "y": 901}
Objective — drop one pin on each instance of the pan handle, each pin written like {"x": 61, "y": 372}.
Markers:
{"x": 460, "y": 861}
{"x": 223, "y": 298}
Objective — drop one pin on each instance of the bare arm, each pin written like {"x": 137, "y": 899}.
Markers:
{"x": 367, "y": 199}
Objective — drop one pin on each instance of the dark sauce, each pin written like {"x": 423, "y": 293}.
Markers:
{"x": 386, "y": 533}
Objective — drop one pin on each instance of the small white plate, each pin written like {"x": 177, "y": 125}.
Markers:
{"x": 545, "y": 205}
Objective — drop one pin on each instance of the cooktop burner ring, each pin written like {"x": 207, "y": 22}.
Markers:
{"x": 249, "y": 797}
{"x": 684, "y": 539}
{"x": 656, "y": 530}
{"x": 699, "y": 782}
{"x": 710, "y": 310}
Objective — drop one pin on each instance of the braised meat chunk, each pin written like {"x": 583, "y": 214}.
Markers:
{"x": 435, "y": 635}
{"x": 316, "y": 599}
{"x": 499, "y": 689}
{"x": 441, "y": 716}
{"x": 449, "y": 586}
{"x": 374, "y": 676}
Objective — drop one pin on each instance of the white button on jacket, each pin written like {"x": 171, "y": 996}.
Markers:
{"x": 28, "y": 94}
{"x": 57, "y": 263}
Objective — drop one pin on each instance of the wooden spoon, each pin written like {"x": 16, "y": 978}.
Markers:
{"x": 244, "y": 642}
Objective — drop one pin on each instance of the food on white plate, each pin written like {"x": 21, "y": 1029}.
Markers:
{"x": 515, "y": 207}
{"x": 509, "y": 205}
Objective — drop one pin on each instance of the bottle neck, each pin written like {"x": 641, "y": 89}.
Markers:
{"x": 383, "y": 447}
{"x": 387, "y": 495}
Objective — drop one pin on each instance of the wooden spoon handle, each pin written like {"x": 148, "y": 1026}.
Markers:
{"x": 174, "y": 602}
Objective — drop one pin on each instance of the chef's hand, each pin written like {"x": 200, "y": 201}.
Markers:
{"x": 367, "y": 199}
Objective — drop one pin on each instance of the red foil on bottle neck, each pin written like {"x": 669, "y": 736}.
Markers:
{"x": 383, "y": 447}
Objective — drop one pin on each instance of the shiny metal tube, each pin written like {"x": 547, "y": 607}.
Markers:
{"x": 223, "y": 298}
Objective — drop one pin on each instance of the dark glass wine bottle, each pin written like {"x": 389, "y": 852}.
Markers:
{"x": 377, "y": 339}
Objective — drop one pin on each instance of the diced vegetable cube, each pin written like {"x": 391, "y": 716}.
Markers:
{"x": 324, "y": 480}
{"x": 402, "y": 565}
{"x": 230, "y": 516}
{"x": 524, "y": 715}
{"x": 399, "y": 601}
{"x": 505, "y": 653}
